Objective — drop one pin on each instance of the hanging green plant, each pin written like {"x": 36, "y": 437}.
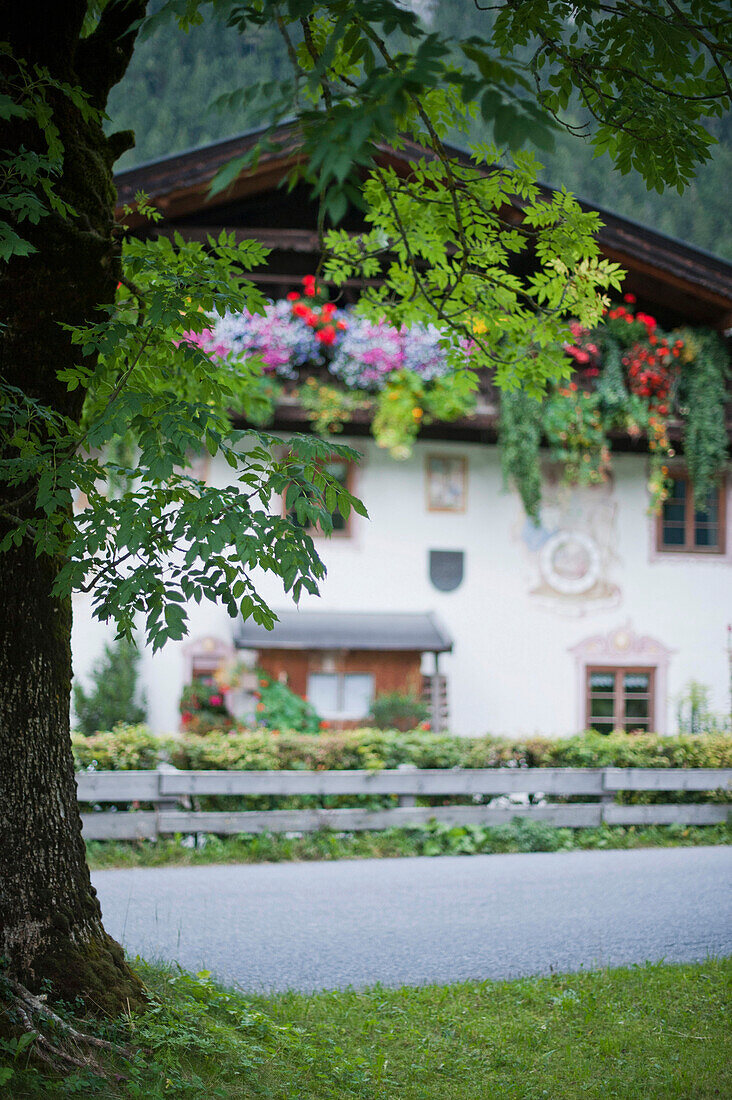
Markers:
{"x": 449, "y": 398}
{"x": 705, "y": 431}
{"x": 611, "y": 390}
{"x": 329, "y": 408}
{"x": 407, "y": 402}
{"x": 520, "y": 436}
{"x": 399, "y": 413}
{"x": 574, "y": 429}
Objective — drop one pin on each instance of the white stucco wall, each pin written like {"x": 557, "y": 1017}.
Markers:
{"x": 512, "y": 669}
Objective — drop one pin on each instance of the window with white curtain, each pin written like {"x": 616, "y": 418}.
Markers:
{"x": 346, "y": 695}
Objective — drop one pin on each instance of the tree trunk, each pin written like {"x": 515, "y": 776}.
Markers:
{"x": 50, "y": 920}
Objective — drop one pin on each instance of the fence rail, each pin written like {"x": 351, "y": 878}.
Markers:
{"x": 171, "y": 792}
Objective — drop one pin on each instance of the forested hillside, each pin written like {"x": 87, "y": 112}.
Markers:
{"x": 174, "y": 78}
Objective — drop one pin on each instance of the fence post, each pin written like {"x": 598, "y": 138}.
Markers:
{"x": 407, "y": 799}
{"x": 167, "y": 802}
{"x": 607, "y": 797}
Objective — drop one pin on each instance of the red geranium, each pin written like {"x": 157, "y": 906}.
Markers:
{"x": 326, "y": 335}
{"x": 316, "y": 313}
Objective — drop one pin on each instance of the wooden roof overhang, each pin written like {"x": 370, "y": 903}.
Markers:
{"x": 668, "y": 274}
{"x": 679, "y": 283}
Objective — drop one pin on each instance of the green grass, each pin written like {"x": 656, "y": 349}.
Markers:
{"x": 633, "y": 1034}
{"x": 430, "y": 840}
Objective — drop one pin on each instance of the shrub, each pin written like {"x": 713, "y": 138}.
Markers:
{"x": 398, "y": 710}
{"x": 124, "y": 748}
{"x": 204, "y": 711}
{"x": 113, "y": 697}
{"x": 694, "y": 714}
{"x": 279, "y": 708}
{"x": 136, "y": 747}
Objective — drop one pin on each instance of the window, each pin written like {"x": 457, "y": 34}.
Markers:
{"x": 204, "y": 673}
{"x": 346, "y": 695}
{"x": 620, "y": 698}
{"x": 687, "y": 527}
{"x": 340, "y": 470}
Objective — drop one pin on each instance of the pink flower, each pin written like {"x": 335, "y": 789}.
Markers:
{"x": 215, "y": 700}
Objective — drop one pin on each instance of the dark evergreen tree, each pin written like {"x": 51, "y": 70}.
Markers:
{"x": 170, "y": 107}
{"x": 114, "y": 694}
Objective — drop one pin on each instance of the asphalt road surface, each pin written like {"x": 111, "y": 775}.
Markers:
{"x": 309, "y": 926}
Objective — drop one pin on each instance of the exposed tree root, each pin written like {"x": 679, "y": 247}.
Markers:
{"x": 33, "y": 1012}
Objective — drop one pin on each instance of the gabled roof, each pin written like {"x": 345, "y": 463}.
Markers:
{"x": 690, "y": 282}
{"x": 420, "y": 632}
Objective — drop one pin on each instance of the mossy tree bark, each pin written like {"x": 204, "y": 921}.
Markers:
{"x": 50, "y": 920}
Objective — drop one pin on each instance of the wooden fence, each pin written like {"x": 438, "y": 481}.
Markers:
{"x": 171, "y": 792}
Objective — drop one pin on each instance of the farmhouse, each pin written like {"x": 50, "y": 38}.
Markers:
{"x": 596, "y": 609}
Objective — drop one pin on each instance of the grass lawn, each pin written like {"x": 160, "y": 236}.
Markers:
{"x": 434, "y": 839}
{"x": 636, "y": 1034}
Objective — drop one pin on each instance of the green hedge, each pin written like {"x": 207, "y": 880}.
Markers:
{"x": 128, "y": 747}
{"x": 125, "y": 748}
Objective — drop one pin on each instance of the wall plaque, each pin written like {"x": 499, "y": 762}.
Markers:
{"x": 446, "y": 569}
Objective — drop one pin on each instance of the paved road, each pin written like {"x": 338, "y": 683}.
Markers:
{"x": 412, "y": 921}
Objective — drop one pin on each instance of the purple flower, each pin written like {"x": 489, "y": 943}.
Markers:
{"x": 370, "y": 352}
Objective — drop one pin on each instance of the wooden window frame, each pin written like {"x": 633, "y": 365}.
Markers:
{"x": 316, "y": 532}
{"x": 618, "y": 672}
{"x": 429, "y": 458}
{"x": 689, "y": 546}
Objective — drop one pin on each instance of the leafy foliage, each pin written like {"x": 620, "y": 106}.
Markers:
{"x": 167, "y": 537}
{"x": 693, "y": 711}
{"x": 576, "y": 434}
{"x": 199, "y": 1040}
{"x": 28, "y": 177}
{"x": 433, "y": 839}
{"x": 257, "y": 750}
{"x": 148, "y": 538}
{"x": 520, "y": 436}
{"x": 113, "y": 697}
{"x": 631, "y": 377}
{"x": 438, "y": 239}
{"x": 705, "y": 432}
{"x": 164, "y": 105}
{"x": 329, "y": 408}
{"x": 280, "y": 708}
{"x": 203, "y": 708}
{"x": 647, "y": 77}
{"x": 449, "y": 256}
{"x": 398, "y": 710}
{"x": 123, "y": 748}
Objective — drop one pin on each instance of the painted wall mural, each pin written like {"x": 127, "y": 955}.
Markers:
{"x": 572, "y": 553}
